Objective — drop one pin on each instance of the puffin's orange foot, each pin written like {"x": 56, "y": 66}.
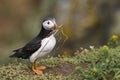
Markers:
{"x": 36, "y": 69}
{"x": 41, "y": 68}
{"x": 38, "y": 72}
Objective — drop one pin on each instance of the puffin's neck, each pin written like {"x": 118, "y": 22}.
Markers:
{"x": 44, "y": 33}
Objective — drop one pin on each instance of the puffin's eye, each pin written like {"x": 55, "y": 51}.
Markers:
{"x": 48, "y": 22}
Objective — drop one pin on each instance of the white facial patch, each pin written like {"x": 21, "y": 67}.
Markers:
{"x": 48, "y": 24}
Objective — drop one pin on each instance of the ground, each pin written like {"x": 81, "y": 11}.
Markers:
{"x": 65, "y": 69}
{"x": 96, "y": 64}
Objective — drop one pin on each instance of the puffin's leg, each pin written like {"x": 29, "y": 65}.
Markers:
{"x": 37, "y": 70}
{"x": 39, "y": 67}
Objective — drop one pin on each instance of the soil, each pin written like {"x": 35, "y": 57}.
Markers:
{"x": 64, "y": 68}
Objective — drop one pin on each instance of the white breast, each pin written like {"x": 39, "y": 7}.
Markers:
{"x": 47, "y": 45}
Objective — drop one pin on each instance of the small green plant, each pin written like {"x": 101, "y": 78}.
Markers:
{"x": 103, "y": 64}
{"x": 113, "y": 41}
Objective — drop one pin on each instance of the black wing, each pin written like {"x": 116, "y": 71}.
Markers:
{"x": 26, "y": 51}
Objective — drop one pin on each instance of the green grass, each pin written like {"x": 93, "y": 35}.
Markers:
{"x": 96, "y": 64}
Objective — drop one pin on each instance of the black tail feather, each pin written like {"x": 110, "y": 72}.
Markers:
{"x": 13, "y": 55}
{"x": 20, "y": 55}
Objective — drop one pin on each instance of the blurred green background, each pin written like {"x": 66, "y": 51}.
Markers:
{"x": 86, "y": 22}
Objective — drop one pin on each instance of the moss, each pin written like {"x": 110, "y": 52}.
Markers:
{"x": 91, "y": 65}
{"x": 21, "y": 71}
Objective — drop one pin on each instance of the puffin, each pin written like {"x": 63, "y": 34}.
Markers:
{"x": 39, "y": 46}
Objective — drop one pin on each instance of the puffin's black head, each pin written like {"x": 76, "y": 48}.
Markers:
{"x": 50, "y": 24}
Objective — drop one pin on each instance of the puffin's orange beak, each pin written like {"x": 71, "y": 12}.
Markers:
{"x": 56, "y": 27}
